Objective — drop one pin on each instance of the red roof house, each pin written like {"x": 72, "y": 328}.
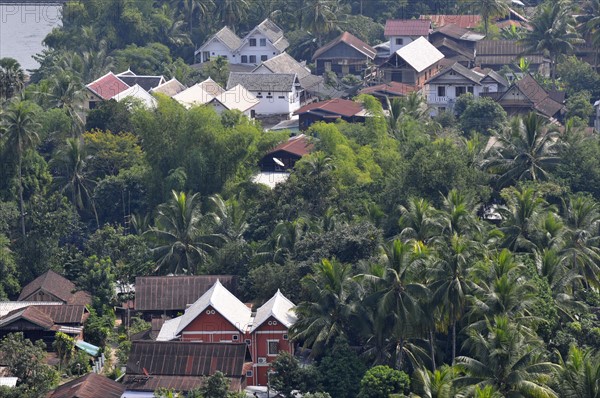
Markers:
{"x": 285, "y": 155}
{"x": 330, "y": 110}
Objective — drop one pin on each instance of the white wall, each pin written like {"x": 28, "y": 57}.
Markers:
{"x": 395, "y": 47}
{"x": 217, "y": 49}
{"x": 257, "y": 51}
{"x": 137, "y": 394}
{"x": 276, "y": 105}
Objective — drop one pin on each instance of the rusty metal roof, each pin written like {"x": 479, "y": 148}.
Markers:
{"x": 175, "y": 293}
{"x": 407, "y": 27}
{"x": 336, "y": 107}
{"x": 91, "y": 385}
{"x": 63, "y": 314}
{"x": 350, "y": 40}
{"x": 50, "y": 282}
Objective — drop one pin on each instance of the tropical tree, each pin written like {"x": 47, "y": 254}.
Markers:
{"x": 436, "y": 384}
{"x": 553, "y": 32}
{"x": 507, "y": 359}
{"x": 72, "y": 176}
{"x": 327, "y": 314}
{"x": 527, "y": 150}
{"x": 12, "y": 78}
{"x": 320, "y": 17}
{"x": 489, "y": 9}
{"x": 19, "y": 124}
{"x": 179, "y": 242}
{"x": 232, "y": 12}
{"x": 520, "y": 217}
{"x": 579, "y": 376}
{"x": 419, "y": 221}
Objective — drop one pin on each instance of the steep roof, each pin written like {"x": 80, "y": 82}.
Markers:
{"x": 420, "y": 54}
{"x": 263, "y": 82}
{"x": 297, "y": 145}
{"x": 30, "y": 314}
{"x": 50, "y": 282}
{"x": 454, "y": 46}
{"x": 238, "y": 98}
{"x": 195, "y": 95}
{"x": 467, "y": 73}
{"x": 458, "y": 33}
{"x": 139, "y": 93}
{"x": 540, "y": 97}
{"x": 274, "y": 33}
{"x": 278, "y": 307}
{"x": 285, "y": 63}
{"x": 170, "y": 88}
{"x": 391, "y": 88}
{"x": 222, "y": 301}
{"x": 464, "y": 21}
{"x": 107, "y": 86}
{"x": 350, "y": 40}
{"x": 336, "y": 107}
{"x": 91, "y": 385}
{"x": 146, "y": 82}
{"x": 495, "y": 76}
{"x": 407, "y": 27}
{"x": 9, "y": 306}
{"x": 175, "y": 293}
{"x": 211, "y": 87}
{"x": 228, "y": 38}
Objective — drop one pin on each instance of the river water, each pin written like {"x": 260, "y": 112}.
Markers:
{"x": 23, "y": 27}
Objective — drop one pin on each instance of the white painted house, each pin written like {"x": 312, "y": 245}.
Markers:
{"x": 278, "y": 93}
{"x": 263, "y": 42}
{"x": 401, "y": 32}
{"x": 138, "y": 94}
{"x": 443, "y": 89}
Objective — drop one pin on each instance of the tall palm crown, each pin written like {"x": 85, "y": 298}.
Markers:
{"x": 525, "y": 151}
{"x": 12, "y": 78}
{"x": 553, "y": 31}
{"x": 580, "y": 374}
{"x": 488, "y": 9}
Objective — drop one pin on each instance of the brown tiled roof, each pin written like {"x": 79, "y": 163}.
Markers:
{"x": 64, "y": 314}
{"x": 30, "y": 314}
{"x": 336, "y": 107}
{"x": 107, "y": 86}
{"x": 91, "y": 385}
{"x": 350, "y": 40}
{"x": 298, "y": 145}
{"x": 464, "y": 21}
{"x": 80, "y": 298}
{"x": 538, "y": 96}
{"x": 391, "y": 88}
{"x": 180, "y": 358}
{"x": 50, "y": 282}
{"x": 175, "y": 293}
{"x": 407, "y": 27}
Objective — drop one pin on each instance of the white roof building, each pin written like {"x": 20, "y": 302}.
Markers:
{"x": 420, "y": 54}
{"x": 278, "y": 307}
{"x": 138, "y": 93}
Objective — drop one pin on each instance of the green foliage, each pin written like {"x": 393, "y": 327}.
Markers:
{"x": 288, "y": 376}
{"x": 216, "y": 386}
{"x": 381, "y": 381}
{"x": 9, "y": 283}
{"x": 579, "y": 105}
{"x": 98, "y": 279}
{"x": 578, "y": 76}
{"x": 341, "y": 370}
{"x": 482, "y": 115}
{"x": 97, "y": 329}
{"x": 109, "y": 116}
{"x": 64, "y": 346}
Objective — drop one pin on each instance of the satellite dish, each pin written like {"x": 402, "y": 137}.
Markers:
{"x": 279, "y": 162}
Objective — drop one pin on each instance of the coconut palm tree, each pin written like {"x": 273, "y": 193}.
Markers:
{"x": 320, "y": 17}
{"x": 520, "y": 217}
{"x": 489, "y": 9}
{"x": 553, "y": 32}
{"x": 12, "y": 78}
{"x": 525, "y": 151}
{"x": 507, "y": 359}
{"x": 179, "y": 243}
{"x": 19, "y": 131}
{"x": 229, "y": 217}
{"x": 72, "y": 177}
{"x": 232, "y": 12}
{"x": 419, "y": 221}
{"x": 326, "y": 315}
{"x": 436, "y": 384}
{"x": 579, "y": 376}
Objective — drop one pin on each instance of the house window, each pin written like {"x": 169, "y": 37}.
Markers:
{"x": 205, "y": 56}
{"x": 281, "y": 97}
{"x": 244, "y": 59}
{"x": 345, "y": 69}
{"x": 486, "y": 89}
{"x": 269, "y": 95}
{"x": 441, "y": 91}
{"x": 399, "y": 41}
{"x": 263, "y": 42}
{"x": 397, "y": 76}
{"x": 252, "y": 42}
{"x": 235, "y": 337}
{"x": 328, "y": 66}
{"x": 263, "y": 57}
{"x": 249, "y": 373}
{"x": 470, "y": 89}
{"x": 285, "y": 336}
{"x": 248, "y": 342}
{"x": 259, "y": 95}
{"x": 273, "y": 347}
{"x": 460, "y": 90}
{"x": 253, "y": 59}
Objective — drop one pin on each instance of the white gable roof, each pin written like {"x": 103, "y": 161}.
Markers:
{"x": 238, "y": 98}
{"x": 222, "y": 301}
{"x": 278, "y": 307}
{"x": 168, "y": 331}
{"x": 195, "y": 95}
{"x": 420, "y": 54}
{"x": 136, "y": 92}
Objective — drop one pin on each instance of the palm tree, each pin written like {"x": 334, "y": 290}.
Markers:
{"x": 319, "y": 17}
{"x": 180, "y": 245}
{"x": 72, "y": 177}
{"x": 418, "y": 221}
{"x": 436, "y": 384}
{"x": 326, "y": 316}
{"x": 525, "y": 151}
{"x": 459, "y": 214}
{"x": 508, "y": 360}
{"x": 396, "y": 294}
{"x": 488, "y": 9}
{"x": 579, "y": 376}
{"x": 232, "y": 12}
{"x": 12, "y": 78}
{"x": 520, "y": 217}
{"x": 553, "y": 32}
{"x": 229, "y": 217}
{"x": 19, "y": 125}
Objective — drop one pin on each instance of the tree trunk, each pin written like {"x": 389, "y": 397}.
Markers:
{"x": 399, "y": 355}
{"x": 432, "y": 350}
{"x": 21, "y": 201}
{"x": 453, "y": 340}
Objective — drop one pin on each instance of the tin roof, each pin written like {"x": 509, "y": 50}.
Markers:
{"x": 107, "y": 86}
{"x": 297, "y": 145}
{"x": 407, "y": 27}
{"x": 91, "y": 385}
{"x": 350, "y": 40}
{"x": 278, "y": 307}
{"x": 336, "y": 107}
{"x": 52, "y": 283}
{"x": 464, "y": 21}
{"x": 420, "y": 54}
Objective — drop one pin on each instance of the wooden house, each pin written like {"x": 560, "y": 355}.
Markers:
{"x": 330, "y": 111}
{"x": 182, "y": 366}
{"x": 413, "y": 64}
{"x": 390, "y": 90}
{"x": 344, "y": 55}
{"x": 51, "y": 286}
{"x": 285, "y": 155}
{"x": 495, "y": 54}
{"x": 91, "y": 385}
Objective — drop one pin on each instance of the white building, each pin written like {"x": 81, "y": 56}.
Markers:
{"x": 443, "y": 89}
{"x": 278, "y": 93}
{"x": 401, "y": 32}
{"x": 263, "y": 42}
{"x": 138, "y": 94}
{"x": 597, "y": 115}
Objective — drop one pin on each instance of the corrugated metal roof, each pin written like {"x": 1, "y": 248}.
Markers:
{"x": 63, "y": 314}
{"x": 175, "y": 293}
{"x": 222, "y": 301}
{"x": 107, "y": 86}
{"x": 297, "y": 145}
{"x": 456, "y": 32}
{"x": 469, "y": 74}
{"x": 30, "y": 314}
{"x": 278, "y": 307}
{"x": 8, "y": 381}
{"x": 176, "y": 383}
{"x": 91, "y": 385}
{"x": 420, "y": 54}
{"x": 50, "y": 281}
{"x": 9, "y": 306}
{"x": 407, "y": 27}
{"x": 464, "y": 21}
{"x": 170, "y": 88}
{"x": 391, "y": 88}
{"x": 336, "y": 107}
